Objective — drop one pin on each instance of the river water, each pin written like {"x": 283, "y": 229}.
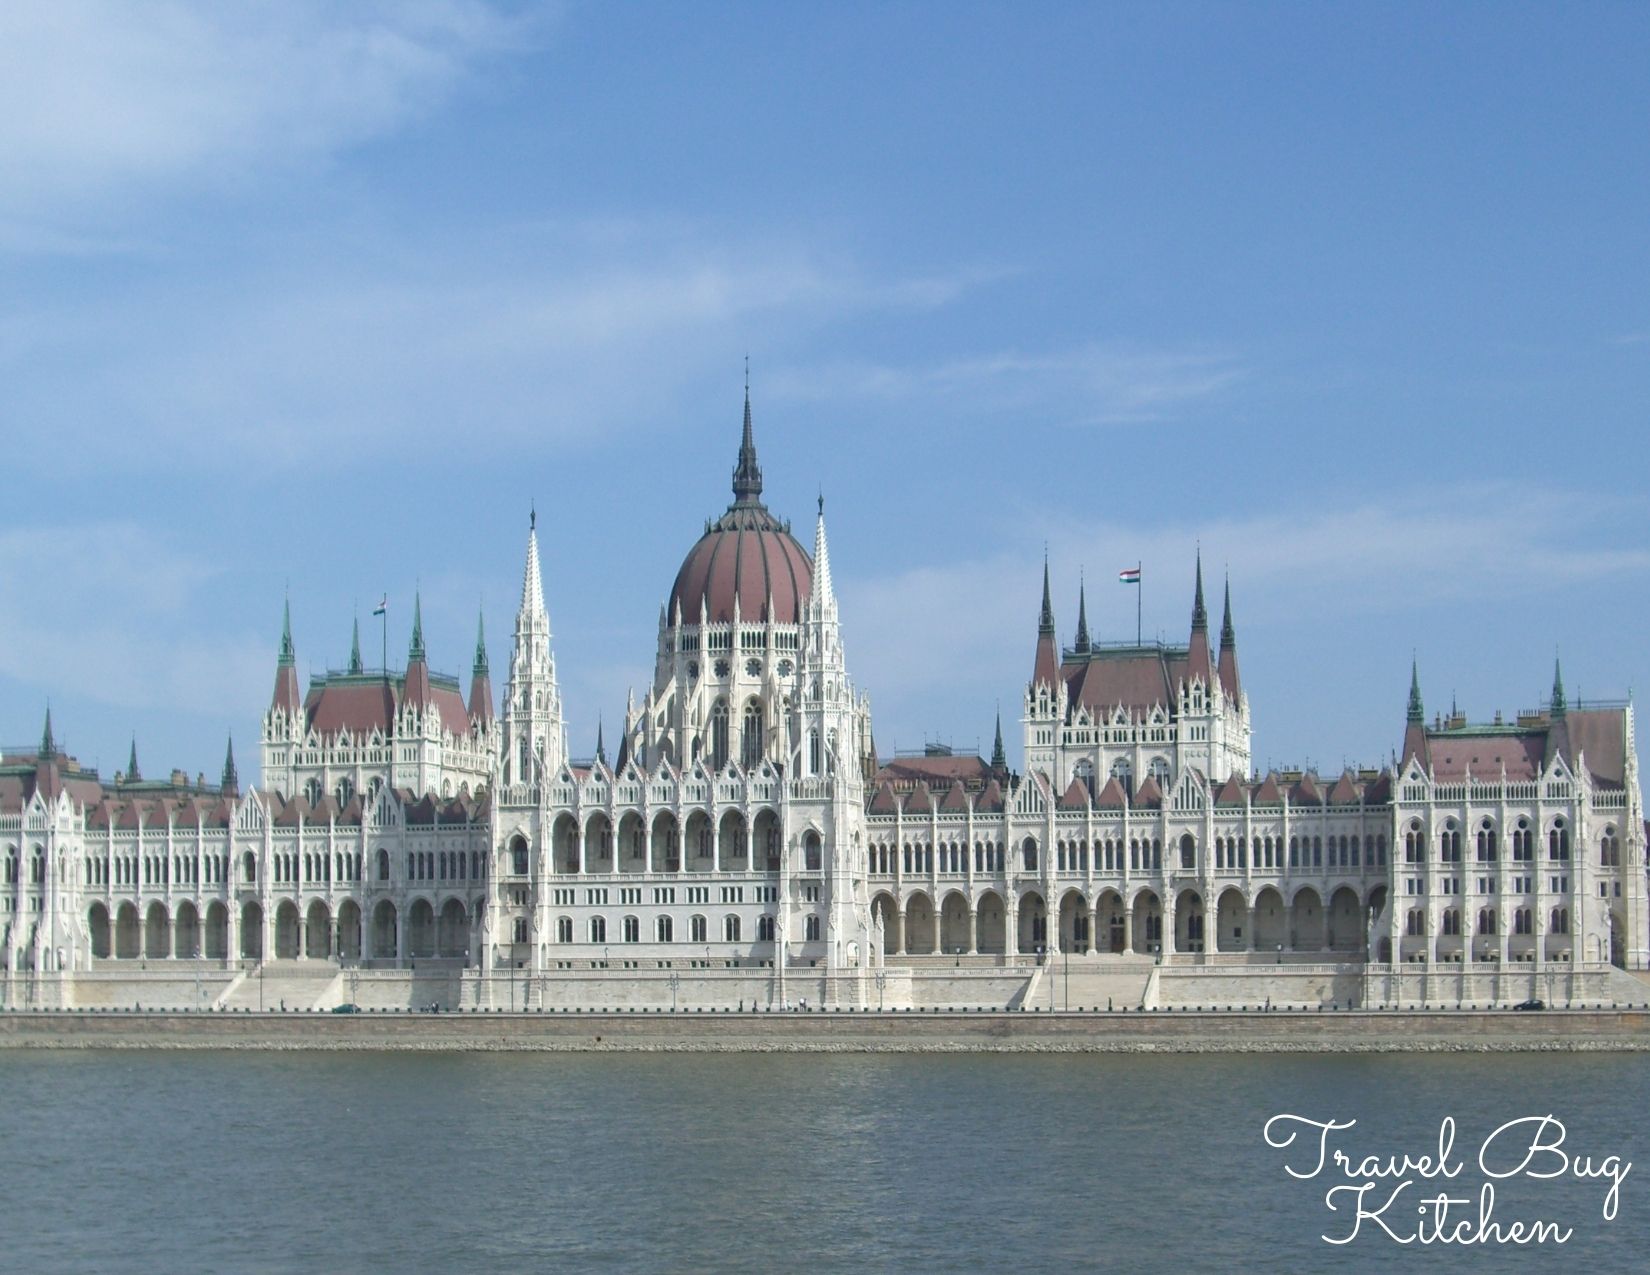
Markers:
{"x": 121, "y": 1161}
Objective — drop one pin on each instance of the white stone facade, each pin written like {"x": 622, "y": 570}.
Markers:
{"x": 746, "y": 823}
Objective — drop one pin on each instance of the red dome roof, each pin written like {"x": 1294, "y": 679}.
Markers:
{"x": 749, "y": 555}
{"x": 746, "y": 554}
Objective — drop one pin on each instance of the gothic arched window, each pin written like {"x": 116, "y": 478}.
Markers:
{"x": 719, "y": 735}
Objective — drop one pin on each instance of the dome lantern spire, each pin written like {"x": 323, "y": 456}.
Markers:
{"x": 747, "y": 474}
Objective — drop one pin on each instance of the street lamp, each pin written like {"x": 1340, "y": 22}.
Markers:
{"x": 674, "y": 982}
{"x": 882, "y": 986}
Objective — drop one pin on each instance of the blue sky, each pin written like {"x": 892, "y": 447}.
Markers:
{"x": 319, "y": 298}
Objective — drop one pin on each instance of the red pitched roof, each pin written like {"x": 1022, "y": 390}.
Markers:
{"x": 1148, "y": 795}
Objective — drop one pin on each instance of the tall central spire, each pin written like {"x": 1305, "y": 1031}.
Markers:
{"x": 747, "y": 474}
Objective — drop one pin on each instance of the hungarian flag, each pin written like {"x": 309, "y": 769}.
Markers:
{"x": 1129, "y": 575}
{"x": 384, "y": 603}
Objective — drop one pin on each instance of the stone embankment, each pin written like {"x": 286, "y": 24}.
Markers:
{"x": 1343, "y": 1031}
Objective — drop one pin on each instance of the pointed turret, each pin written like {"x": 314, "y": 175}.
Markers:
{"x": 286, "y": 667}
{"x": 1045, "y": 670}
{"x": 1415, "y": 724}
{"x": 999, "y": 759}
{"x": 231, "y": 782}
{"x": 481, "y": 681}
{"x": 133, "y": 774}
{"x": 355, "y": 665}
{"x": 601, "y": 747}
{"x": 533, "y": 741}
{"x": 1198, "y": 665}
{"x": 1558, "y": 734}
{"x": 48, "y": 776}
{"x": 747, "y": 474}
{"x": 1082, "y": 647}
{"x": 824, "y": 592}
{"x": 418, "y": 669}
{"x": 1230, "y": 683}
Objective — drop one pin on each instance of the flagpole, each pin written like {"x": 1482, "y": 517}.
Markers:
{"x": 384, "y": 639}
{"x": 1139, "y": 588}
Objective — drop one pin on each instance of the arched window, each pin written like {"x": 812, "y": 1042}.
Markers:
{"x": 1609, "y": 849}
{"x": 598, "y": 929}
{"x": 1561, "y": 921}
{"x": 750, "y": 734}
{"x": 1486, "y": 842}
{"x": 719, "y": 735}
{"x": 810, "y": 928}
{"x": 1416, "y": 923}
{"x": 249, "y": 866}
{"x": 1122, "y": 770}
{"x": 730, "y": 928}
{"x": 518, "y": 855}
{"x": 1028, "y": 854}
{"x": 632, "y": 930}
{"x": 813, "y": 752}
{"x": 1452, "y": 923}
{"x": 1084, "y": 771}
{"x": 697, "y": 929}
{"x": 661, "y": 929}
{"x": 811, "y": 856}
{"x": 1486, "y": 921}
{"x": 1558, "y": 841}
{"x": 564, "y": 929}
{"x": 1188, "y": 853}
{"x": 764, "y": 929}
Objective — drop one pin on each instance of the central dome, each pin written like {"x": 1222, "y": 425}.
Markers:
{"x": 746, "y": 554}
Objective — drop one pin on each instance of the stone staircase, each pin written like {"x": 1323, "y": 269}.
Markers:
{"x": 292, "y": 985}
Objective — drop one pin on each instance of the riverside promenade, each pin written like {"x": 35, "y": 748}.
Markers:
{"x": 1163, "y": 1031}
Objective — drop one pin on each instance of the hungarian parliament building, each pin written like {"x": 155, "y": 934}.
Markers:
{"x": 746, "y": 820}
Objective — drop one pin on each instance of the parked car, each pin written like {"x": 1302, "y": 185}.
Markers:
{"x": 346, "y": 1009}
{"x": 1532, "y": 1003}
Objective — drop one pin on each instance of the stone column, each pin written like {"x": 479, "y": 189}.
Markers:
{"x": 1128, "y": 930}
{"x": 973, "y": 930}
{"x": 1254, "y": 925}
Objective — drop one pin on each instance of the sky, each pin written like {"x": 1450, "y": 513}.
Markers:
{"x": 311, "y": 301}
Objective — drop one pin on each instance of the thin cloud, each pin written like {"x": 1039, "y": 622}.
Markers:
{"x": 1460, "y": 545}
{"x": 101, "y": 99}
{"x": 110, "y": 621}
{"x": 1091, "y": 385}
{"x": 356, "y": 355}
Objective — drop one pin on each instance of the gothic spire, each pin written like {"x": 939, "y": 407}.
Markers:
{"x": 999, "y": 760}
{"x": 1560, "y": 705}
{"x": 824, "y": 593}
{"x": 1082, "y": 620}
{"x": 48, "y": 745}
{"x": 1416, "y": 712}
{"x": 747, "y": 474}
{"x": 532, "y": 586}
{"x": 133, "y": 774}
{"x": 355, "y": 665}
{"x": 288, "y": 656}
{"x": 601, "y": 748}
{"x": 231, "y": 783}
{"x": 479, "y": 668}
{"x": 1045, "y": 619}
{"x": 416, "y": 650}
{"x": 1200, "y": 614}
{"x": 1228, "y": 635}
